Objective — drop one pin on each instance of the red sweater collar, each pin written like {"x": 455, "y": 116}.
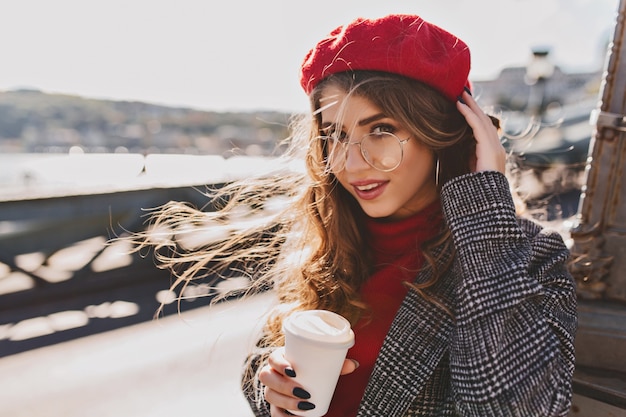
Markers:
{"x": 391, "y": 240}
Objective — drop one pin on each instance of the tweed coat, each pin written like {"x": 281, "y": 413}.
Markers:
{"x": 508, "y": 348}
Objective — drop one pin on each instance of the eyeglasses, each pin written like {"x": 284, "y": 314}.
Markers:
{"x": 381, "y": 150}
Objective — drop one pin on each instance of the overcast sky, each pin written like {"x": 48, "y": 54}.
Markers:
{"x": 245, "y": 55}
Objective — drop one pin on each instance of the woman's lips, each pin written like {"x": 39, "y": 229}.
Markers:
{"x": 369, "y": 190}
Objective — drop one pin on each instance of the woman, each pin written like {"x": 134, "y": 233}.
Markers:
{"x": 459, "y": 307}
{"x": 404, "y": 223}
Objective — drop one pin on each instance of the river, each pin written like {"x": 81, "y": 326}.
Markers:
{"x": 33, "y": 175}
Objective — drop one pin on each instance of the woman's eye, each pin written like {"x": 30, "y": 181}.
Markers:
{"x": 337, "y": 136}
{"x": 383, "y": 129}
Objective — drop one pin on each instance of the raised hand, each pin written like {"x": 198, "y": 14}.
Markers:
{"x": 490, "y": 154}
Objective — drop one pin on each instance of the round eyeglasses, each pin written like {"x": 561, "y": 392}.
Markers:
{"x": 382, "y": 151}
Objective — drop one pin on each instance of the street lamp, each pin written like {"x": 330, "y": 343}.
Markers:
{"x": 538, "y": 71}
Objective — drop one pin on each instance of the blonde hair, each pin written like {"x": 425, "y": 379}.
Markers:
{"x": 309, "y": 248}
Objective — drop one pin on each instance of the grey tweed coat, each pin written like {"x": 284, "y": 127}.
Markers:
{"x": 508, "y": 350}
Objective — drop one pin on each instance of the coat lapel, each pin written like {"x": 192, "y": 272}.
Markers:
{"x": 417, "y": 340}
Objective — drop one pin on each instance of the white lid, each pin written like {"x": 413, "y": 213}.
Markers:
{"x": 319, "y": 325}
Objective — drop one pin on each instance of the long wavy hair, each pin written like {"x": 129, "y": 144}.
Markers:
{"x": 301, "y": 231}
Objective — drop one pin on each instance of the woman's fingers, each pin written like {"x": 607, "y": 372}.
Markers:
{"x": 276, "y": 382}
{"x": 281, "y": 390}
{"x": 490, "y": 154}
{"x": 349, "y": 366}
{"x": 278, "y": 362}
{"x": 282, "y": 393}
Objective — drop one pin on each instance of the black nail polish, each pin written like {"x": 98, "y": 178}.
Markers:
{"x": 461, "y": 100}
{"x": 290, "y": 372}
{"x": 300, "y": 393}
{"x": 305, "y": 405}
{"x": 466, "y": 88}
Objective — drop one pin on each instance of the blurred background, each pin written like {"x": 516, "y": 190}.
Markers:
{"x": 108, "y": 109}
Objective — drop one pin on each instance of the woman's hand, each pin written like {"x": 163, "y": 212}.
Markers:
{"x": 490, "y": 154}
{"x": 281, "y": 390}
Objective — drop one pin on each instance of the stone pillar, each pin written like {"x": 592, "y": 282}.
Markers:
{"x": 598, "y": 260}
{"x": 599, "y": 251}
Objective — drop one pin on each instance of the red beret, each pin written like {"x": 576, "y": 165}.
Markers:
{"x": 399, "y": 44}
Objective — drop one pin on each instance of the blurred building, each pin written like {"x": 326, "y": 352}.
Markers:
{"x": 537, "y": 86}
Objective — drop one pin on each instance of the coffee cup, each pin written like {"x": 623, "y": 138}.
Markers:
{"x": 316, "y": 344}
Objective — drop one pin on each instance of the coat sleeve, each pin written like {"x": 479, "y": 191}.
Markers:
{"x": 251, "y": 387}
{"x": 512, "y": 350}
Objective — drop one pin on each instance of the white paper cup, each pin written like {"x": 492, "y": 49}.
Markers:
{"x": 316, "y": 344}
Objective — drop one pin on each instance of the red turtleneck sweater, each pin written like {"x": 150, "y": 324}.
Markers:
{"x": 396, "y": 249}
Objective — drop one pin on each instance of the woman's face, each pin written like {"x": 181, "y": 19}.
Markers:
{"x": 396, "y": 194}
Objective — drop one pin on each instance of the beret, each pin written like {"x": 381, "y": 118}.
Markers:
{"x": 401, "y": 44}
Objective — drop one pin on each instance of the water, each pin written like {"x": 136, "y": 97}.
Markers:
{"x": 24, "y": 175}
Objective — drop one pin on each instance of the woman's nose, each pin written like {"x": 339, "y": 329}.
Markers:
{"x": 354, "y": 158}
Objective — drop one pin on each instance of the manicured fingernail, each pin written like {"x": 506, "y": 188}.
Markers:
{"x": 290, "y": 372}
{"x": 300, "y": 393}
{"x": 305, "y": 405}
{"x": 467, "y": 90}
{"x": 460, "y": 100}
